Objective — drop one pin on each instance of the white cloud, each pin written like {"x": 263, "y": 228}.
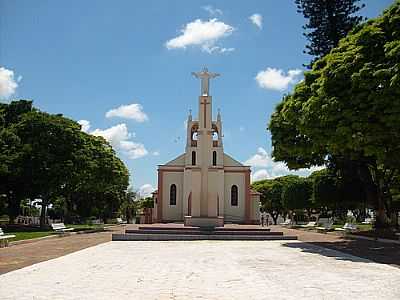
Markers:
{"x": 119, "y": 138}
{"x": 133, "y": 150}
{"x": 156, "y": 153}
{"x": 115, "y": 135}
{"x": 131, "y": 111}
{"x": 265, "y": 167}
{"x": 276, "y": 79}
{"x": 260, "y": 175}
{"x": 260, "y": 159}
{"x": 256, "y": 19}
{"x": 223, "y": 50}
{"x": 204, "y": 34}
{"x": 212, "y": 11}
{"x": 85, "y": 125}
{"x": 146, "y": 190}
{"x": 8, "y": 84}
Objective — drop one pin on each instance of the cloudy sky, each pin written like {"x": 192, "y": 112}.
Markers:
{"x": 122, "y": 69}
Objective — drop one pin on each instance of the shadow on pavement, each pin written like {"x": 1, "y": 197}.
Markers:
{"x": 353, "y": 250}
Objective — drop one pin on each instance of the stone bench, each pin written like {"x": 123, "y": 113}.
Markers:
{"x": 324, "y": 224}
{"x": 4, "y": 238}
{"x": 348, "y": 227}
{"x": 60, "y": 228}
{"x": 309, "y": 225}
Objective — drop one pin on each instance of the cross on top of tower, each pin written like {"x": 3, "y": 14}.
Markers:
{"x": 205, "y": 76}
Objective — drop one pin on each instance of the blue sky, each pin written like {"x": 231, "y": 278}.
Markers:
{"x": 86, "y": 59}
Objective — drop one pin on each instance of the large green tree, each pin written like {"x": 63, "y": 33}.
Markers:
{"x": 14, "y": 185}
{"x": 52, "y": 142}
{"x": 325, "y": 193}
{"x": 328, "y": 22}
{"x": 348, "y": 106}
{"x": 296, "y": 193}
{"x": 129, "y": 205}
{"x": 48, "y": 157}
{"x": 101, "y": 187}
{"x": 271, "y": 196}
{"x": 283, "y": 195}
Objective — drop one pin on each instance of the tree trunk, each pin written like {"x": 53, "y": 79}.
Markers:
{"x": 13, "y": 207}
{"x": 374, "y": 194}
{"x": 128, "y": 215}
{"x": 381, "y": 218}
{"x": 274, "y": 217}
{"x": 104, "y": 217}
{"x": 309, "y": 213}
{"x": 43, "y": 214}
{"x": 11, "y": 219}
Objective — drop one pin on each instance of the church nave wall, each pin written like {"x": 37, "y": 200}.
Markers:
{"x": 172, "y": 212}
{"x": 234, "y": 213}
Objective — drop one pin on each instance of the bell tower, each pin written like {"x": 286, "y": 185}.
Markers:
{"x": 205, "y": 153}
{"x": 205, "y": 138}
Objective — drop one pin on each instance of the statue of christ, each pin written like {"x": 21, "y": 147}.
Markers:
{"x": 205, "y": 76}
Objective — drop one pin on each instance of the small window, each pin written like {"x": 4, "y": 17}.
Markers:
{"x": 234, "y": 195}
{"x": 215, "y": 136}
{"x": 195, "y": 136}
{"x": 193, "y": 158}
{"x": 214, "y": 158}
{"x": 172, "y": 195}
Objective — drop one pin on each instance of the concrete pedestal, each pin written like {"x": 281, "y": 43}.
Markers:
{"x": 204, "y": 221}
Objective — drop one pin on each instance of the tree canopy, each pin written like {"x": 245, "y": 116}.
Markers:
{"x": 348, "y": 106}
{"x": 328, "y": 22}
{"x": 284, "y": 194}
{"x": 48, "y": 157}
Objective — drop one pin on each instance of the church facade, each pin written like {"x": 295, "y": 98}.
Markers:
{"x": 204, "y": 186}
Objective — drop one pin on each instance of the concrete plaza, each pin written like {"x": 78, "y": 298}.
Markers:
{"x": 203, "y": 270}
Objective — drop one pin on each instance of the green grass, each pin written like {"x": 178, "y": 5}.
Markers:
{"x": 360, "y": 227}
{"x": 364, "y": 227}
{"x": 33, "y": 234}
{"x": 85, "y": 226}
{"x": 26, "y": 235}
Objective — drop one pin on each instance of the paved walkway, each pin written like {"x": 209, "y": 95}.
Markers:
{"x": 385, "y": 253}
{"x": 22, "y": 255}
{"x": 19, "y": 256}
{"x": 203, "y": 270}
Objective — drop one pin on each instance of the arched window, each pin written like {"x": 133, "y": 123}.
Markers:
{"x": 172, "y": 195}
{"x": 234, "y": 195}
{"x": 193, "y": 158}
{"x": 214, "y": 158}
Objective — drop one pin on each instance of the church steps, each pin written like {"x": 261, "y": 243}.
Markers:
{"x": 198, "y": 237}
{"x": 203, "y": 232}
{"x": 198, "y": 228}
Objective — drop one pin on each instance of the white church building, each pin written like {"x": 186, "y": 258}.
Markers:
{"x": 204, "y": 186}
